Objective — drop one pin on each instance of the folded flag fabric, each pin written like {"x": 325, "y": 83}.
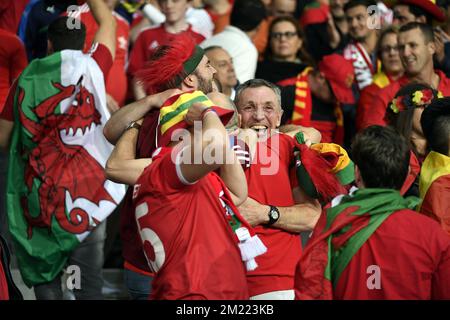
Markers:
{"x": 434, "y": 188}
{"x": 322, "y": 169}
{"x": 342, "y": 229}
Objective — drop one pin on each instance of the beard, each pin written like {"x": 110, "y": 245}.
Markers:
{"x": 204, "y": 84}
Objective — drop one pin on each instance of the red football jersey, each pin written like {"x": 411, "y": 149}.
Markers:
{"x": 13, "y": 59}
{"x": 269, "y": 183}
{"x": 186, "y": 236}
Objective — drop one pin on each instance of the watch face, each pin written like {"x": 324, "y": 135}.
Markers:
{"x": 274, "y": 214}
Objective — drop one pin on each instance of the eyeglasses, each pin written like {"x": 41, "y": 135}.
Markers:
{"x": 388, "y": 49}
{"x": 279, "y": 35}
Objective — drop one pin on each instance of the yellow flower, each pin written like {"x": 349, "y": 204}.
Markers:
{"x": 417, "y": 97}
{"x": 394, "y": 106}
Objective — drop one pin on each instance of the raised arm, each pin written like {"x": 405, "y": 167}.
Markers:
{"x": 122, "y": 166}
{"x": 234, "y": 178}
{"x": 120, "y": 120}
{"x": 211, "y": 136}
{"x": 211, "y": 148}
{"x": 106, "y": 32}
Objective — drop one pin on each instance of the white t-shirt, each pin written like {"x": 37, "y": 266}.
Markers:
{"x": 200, "y": 21}
{"x": 240, "y": 47}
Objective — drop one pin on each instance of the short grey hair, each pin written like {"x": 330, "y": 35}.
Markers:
{"x": 256, "y": 83}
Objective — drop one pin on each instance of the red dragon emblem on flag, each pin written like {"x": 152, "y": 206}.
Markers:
{"x": 59, "y": 169}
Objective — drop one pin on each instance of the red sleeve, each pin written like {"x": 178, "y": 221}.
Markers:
{"x": 100, "y": 53}
{"x": 164, "y": 173}
{"x": 441, "y": 277}
{"x": 414, "y": 171}
{"x": 170, "y": 171}
{"x": 137, "y": 17}
{"x": 7, "y": 113}
{"x": 377, "y": 112}
{"x": 19, "y": 61}
{"x": 198, "y": 37}
{"x": 137, "y": 55}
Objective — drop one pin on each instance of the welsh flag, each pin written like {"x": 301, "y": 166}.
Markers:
{"x": 434, "y": 188}
{"x": 56, "y": 190}
{"x": 340, "y": 232}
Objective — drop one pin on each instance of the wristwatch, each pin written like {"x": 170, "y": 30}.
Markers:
{"x": 133, "y": 124}
{"x": 274, "y": 215}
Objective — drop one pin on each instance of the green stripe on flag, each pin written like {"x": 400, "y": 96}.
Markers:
{"x": 375, "y": 205}
{"x": 181, "y": 108}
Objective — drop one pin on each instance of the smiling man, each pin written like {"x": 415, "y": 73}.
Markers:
{"x": 416, "y": 47}
{"x": 271, "y": 207}
{"x": 361, "y": 49}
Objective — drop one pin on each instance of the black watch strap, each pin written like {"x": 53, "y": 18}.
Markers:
{"x": 274, "y": 215}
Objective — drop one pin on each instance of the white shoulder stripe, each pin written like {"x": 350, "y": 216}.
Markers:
{"x": 178, "y": 168}
{"x": 93, "y": 48}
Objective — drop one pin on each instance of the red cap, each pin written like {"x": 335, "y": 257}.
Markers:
{"x": 427, "y": 5}
{"x": 340, "y": 74}
{"x": 314, "y": 13}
